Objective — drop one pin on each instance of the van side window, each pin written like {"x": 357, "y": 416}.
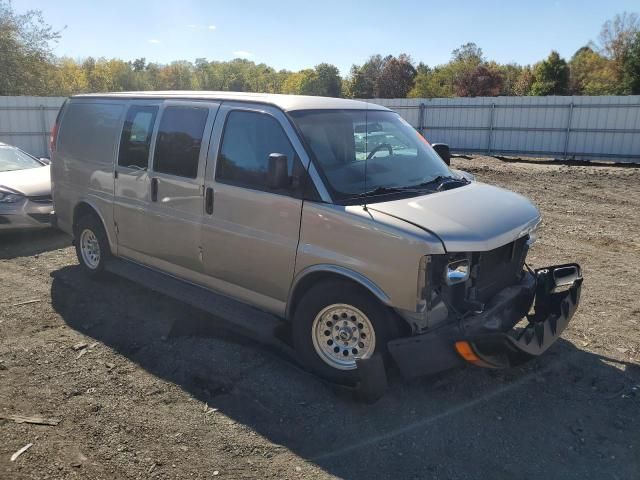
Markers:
{"x": 136, "y": 136}
{"x": 248, "y": 140}
{"x": 179, "y": 139}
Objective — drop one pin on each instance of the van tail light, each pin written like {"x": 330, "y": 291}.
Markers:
{"x": 53, "y": 137}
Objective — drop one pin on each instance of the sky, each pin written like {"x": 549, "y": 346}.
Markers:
{"x": 296, "y": 34}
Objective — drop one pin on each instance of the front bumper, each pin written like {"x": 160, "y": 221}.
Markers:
{"x": 25, "y": 214}
{"x": 492, "y": 338}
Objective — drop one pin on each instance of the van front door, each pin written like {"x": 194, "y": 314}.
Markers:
{"x": 250, "y": 232}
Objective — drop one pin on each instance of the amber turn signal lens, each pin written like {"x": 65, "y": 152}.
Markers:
{"x": 466, "y": 352}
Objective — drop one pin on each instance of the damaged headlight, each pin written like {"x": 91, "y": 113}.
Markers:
{"x": 532, "y": 232}
{"x": 457, "y": 272}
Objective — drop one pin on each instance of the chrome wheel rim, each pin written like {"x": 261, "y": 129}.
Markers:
{"x": 341, "y": 334}
{"x": 90, "y": 249}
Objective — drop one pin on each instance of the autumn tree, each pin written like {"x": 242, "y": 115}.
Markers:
{"x": 482, "y": 81}
{"x": 396, "y": 77}
{"x": 592, "y": 74}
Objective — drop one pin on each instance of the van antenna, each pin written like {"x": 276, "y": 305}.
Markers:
{"x": 366, "y": 150}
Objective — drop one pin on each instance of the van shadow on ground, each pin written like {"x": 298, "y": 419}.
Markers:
{"x": 571, "y": 414}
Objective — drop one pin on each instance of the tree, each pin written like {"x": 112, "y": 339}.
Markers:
{"x": 631, "y": 67}
{"x": 551, "y": 76}
{"x": 511, "y": 74}
{"x": 482, "y": 81}
{"x": 328, "y": 80}
{"x": 617, "y": 35}
{"x": 523, "y": 85}
{"x": 177, "y": 76}
{"x": 396, "y": 77}
{"x": 468, "y": 54}
{"x": 592, "y": 74}
{"x": 364, "y": 78}
{"x": 25, "y": 50}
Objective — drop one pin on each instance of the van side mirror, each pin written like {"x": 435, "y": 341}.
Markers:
{"x": 277, "y": 172}
{"x": 442, "y": 149}
{"x": 45, "y": 160}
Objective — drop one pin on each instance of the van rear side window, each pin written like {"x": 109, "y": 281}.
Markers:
{"x": 89, "y": 132}
{"x": 179, "y": 139}
{"x": 136, "y": 136}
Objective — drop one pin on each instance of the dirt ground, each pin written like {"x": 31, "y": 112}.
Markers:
{"x": 138, "y": 402}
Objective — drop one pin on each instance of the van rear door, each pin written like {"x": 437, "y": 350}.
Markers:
{"x": 168, "y": 237}
{"x": 131, "y": 180}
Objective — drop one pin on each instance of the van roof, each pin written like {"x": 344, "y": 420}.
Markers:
{"x": 284, "y": 102}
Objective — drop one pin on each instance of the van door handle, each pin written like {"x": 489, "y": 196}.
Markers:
{"x": 154, "y": 189}
{"x": 208, "y": 201}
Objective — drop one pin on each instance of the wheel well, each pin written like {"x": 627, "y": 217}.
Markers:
{"x": 81, "y": 210}
{"x": 398, "y": 325}
{"x": 313, "y": 279}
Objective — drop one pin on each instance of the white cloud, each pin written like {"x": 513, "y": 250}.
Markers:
{"x": 242, "y": 53}
{"x": 192, "y": 26}
{"x": 211, "y": 27}
{"x": 155, "y": 41}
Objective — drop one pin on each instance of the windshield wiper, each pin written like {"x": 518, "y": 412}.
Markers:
{"x": 441, "y": 180}
{"x": 380, "y": 191}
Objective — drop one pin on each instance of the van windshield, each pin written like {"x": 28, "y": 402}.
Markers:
{"x": 360, "y": 151}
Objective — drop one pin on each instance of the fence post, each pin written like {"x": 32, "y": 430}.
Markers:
{"x": 421, "y": 118}
{"x": 45, "y": 135}
{"x": 568, "y": 134}
{"x": 490, "y": 132}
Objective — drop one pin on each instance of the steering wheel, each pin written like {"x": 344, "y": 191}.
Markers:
{"x": 380, "y": 147}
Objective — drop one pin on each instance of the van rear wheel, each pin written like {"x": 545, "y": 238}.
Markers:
{"x": 92, "y": 247}
{"x": 335, "y": 324}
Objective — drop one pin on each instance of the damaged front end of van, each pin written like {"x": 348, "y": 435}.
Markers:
{"x": 515, "y": 324}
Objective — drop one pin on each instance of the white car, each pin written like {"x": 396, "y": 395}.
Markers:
{"x": 25, "y": 190}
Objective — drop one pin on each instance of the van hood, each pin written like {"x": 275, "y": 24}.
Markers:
{"x": 30, "y": 182}
{"x": 473, "y": 218}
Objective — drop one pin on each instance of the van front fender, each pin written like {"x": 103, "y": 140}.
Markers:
{"x": 315, "y": 273}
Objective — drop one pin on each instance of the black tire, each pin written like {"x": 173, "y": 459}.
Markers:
{"x": 92, "y": 224}
{"x": 330, "y": 293}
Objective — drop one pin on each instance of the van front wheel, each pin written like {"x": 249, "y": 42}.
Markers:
{"x": 92, "y": 247}
{"x": 335, "y": 324}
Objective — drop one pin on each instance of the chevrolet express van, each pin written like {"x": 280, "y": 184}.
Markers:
{"x": 334, "y": 215}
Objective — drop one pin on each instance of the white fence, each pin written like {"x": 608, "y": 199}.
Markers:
{"x": 27, "y": 121}
{"x": 580, "y": 128}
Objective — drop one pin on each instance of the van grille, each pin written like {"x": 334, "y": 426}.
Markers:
{"x": 498, "y": 268}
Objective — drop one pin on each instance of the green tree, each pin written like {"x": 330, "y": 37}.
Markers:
{"x": 434, "y": 83}
{"x": 329, "y": 82}
{"x": 25, "y": 52}
{"x": 551, "y": 76}
{"x": 631, "y": 67}
{"x": 363, "y": 78}
{"x": 511, "y": 74}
